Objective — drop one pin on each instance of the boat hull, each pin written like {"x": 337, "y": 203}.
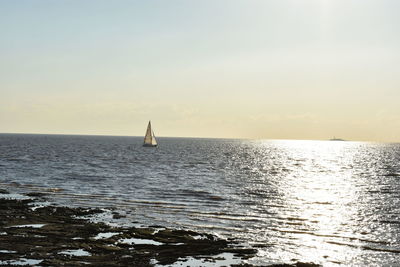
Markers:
{"x": 149, "y": 145}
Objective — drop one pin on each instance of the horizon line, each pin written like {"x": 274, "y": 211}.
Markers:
{"x": 196, "y": 137}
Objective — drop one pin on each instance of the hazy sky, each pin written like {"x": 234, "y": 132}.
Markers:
{"x": 282, "y": 69}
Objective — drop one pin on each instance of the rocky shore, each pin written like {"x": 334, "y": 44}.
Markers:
{"x": 32, "y": 235}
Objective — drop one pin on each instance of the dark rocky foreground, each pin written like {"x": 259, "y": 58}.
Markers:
{"x": 60, "y": 236}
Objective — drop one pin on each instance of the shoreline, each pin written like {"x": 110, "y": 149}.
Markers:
{"x": 63, "y": 236}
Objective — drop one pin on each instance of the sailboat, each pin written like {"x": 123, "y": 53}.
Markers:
{"x": 149, "y": 138}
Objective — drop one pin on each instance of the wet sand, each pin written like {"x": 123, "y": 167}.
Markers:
{"x": 62, "y": 236}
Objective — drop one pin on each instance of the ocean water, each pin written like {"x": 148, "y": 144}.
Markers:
{"x": 315, "y": 201}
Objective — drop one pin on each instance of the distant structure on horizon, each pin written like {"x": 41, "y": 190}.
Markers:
{"x": 336, "y": 139}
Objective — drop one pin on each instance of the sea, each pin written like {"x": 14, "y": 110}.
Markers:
{"x": 328, "y": 202}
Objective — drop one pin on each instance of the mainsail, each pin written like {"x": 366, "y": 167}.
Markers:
{"x": 149, "y": 138}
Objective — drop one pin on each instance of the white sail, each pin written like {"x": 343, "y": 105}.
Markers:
{"x": 153, "y": 139}
{"x": 149, "y": 138}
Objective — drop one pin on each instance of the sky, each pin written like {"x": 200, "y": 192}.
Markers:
{"x": 264, "y": 69}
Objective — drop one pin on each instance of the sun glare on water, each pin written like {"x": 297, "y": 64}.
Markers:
{"x": 320, "y": 196}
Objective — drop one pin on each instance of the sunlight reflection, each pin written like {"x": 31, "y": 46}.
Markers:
{"x": 317, "y": 191}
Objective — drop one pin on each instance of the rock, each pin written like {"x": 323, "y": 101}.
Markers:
{"x": 35, "y": 194}
{"x": 65, "y": 229}
{"x": 307, "y": 264}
